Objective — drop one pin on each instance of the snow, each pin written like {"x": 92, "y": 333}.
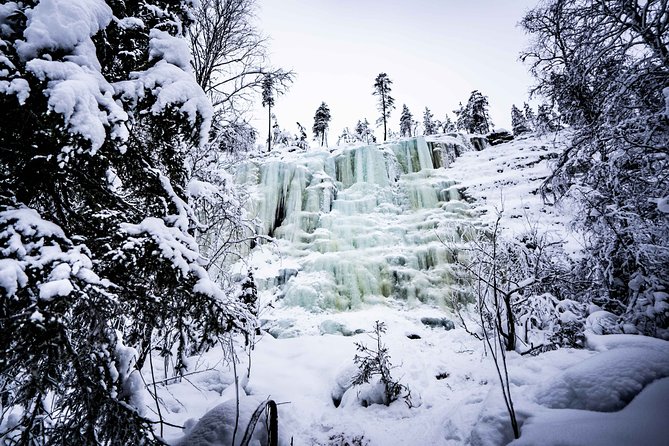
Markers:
{"x": 62, "y": 25}
{"x": 173, "y": 50}
{"x": 345, "y": 210}
{"x": 12, "y": 276}
{"x": 18, "y": 87}
{"x": 50, "y": 290}
{"x": 642, "y": 422}
{"x": 607, "y": 381}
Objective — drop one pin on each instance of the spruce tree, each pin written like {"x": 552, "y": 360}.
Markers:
{"x": 268, "y": 101}
{"x": 95, "y": 227}
{"x": 529, "y": 116}
{"x": 386, "y": 102}
{"x": 428, "y": 122}
{"x": 477, "y": 109}
{"x": 447, "y": 126}
{"x": 546, "y": 121}
{"x": 321, "y": 123}
{"x": 518, "y": 121}
{"x": 406, "y": 121}
{"x": 363, "y": 131}
{"x": 462, "y": 118}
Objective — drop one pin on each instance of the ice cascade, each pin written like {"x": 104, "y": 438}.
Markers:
{"x": 358, "y": 224}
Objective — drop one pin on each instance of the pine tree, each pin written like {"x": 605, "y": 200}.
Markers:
{"x": 474, "y": 117}
{"x": 447, "y": 126}
{"x": 268, "y": 101}
{"x": 529, "y": 116}
{"x": 386, "y": 102}
{"x": 363, "y": 131}
{"x": 477, "y": 109}
{"x": 462, "y": 118}
{"x": 406, "y": 121}
{"x": 95, "y": 227}
{"x": 430, "y": 127}
{"x": 546, "y": 121}
{"x": 518, "y": 121}
{"x": 321, "y": 123}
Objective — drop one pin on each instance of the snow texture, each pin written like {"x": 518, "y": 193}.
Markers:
{"x": 217, "y": 427}
{"x": 62, "y": 25}
{"x": 606, "y": 382}
{"x": 642, "y": 422}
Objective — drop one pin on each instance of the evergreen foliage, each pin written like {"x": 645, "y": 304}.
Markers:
{"x": 386, "y": 102}
{"x": 321, "y": 123}
{"x": 364, "y": 132}
{"x": 406, "y": 121}
{"x": 268, "y": 101}
{"x": 605, "y": 65}
{"x": 448, "y": 126}
{"x": 518, "y": 121}
{"x": 546, "y": 120}
{"x": 376, "y": 361}
{"x": 429, "y": 125}
{"x": 529, "y": 116}
{"x": 474, "y": 118}
{"x": 95, "y": 224}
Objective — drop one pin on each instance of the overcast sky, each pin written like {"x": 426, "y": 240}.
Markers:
{"x": 435, "y": 52}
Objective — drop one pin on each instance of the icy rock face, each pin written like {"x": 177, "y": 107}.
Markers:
{"x": 363, "y": 223}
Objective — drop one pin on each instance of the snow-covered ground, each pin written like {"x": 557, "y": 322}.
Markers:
{"x": 613, "y": 392}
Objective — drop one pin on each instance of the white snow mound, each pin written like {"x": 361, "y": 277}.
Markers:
{"x": 642, "y": 422}
{"x": 606, "y": 382}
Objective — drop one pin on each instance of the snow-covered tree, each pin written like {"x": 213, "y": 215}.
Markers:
{"x": 386, "y": 102}
{"x": 321, "y": 123}
{"x": 447, "y": 126}
{"x": 406, "y": 121}
{"x": 363, "y": 131}
{"x": 230, "y": 60}
{"x": 429, "y": 125}
{"x": 273, "y": 85}
{"x": 474, "y": 117}
{"x": 268, "y": 101}
{"x": 99, "y": 263}
{"x": 518, "y": 121}
{"x": 605, "y": 65}
{"x": 546, "y": 121}
{"x": 529, "y": 116}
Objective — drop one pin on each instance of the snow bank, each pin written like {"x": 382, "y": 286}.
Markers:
{"x": 607, "y": 381}
{"x": 217, "y": 427}
{"x": 642, "y": 422}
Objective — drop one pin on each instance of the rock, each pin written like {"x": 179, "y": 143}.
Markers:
{"x": 436, "y": 322}
{"x": 499, "y": 137}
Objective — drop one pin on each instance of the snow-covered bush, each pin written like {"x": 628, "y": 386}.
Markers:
{"x": 375, "y": 361}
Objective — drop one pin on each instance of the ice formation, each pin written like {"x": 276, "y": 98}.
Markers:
{"x": 363, "y": 223}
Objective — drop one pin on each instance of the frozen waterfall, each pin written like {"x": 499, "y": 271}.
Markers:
{"x": 358, "y": 224}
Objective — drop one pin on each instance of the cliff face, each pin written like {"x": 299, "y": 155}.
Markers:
{"x": 359, "y": 224}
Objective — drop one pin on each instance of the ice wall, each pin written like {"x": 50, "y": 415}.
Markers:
{"x": 357, "y": 225}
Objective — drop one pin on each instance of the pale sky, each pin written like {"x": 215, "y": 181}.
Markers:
{"x": 435, "y": 52}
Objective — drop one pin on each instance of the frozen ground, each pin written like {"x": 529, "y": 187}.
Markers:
{"x": 610, "y": 393}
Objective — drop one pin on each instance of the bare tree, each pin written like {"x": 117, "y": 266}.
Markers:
{"x": 230, "y": 54}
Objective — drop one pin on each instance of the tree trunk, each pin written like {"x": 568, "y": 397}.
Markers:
{"x": 269, "y": 127}
{"x": 383, "y": 102}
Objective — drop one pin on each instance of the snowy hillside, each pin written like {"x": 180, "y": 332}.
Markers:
{"x": 322, "y": 288}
